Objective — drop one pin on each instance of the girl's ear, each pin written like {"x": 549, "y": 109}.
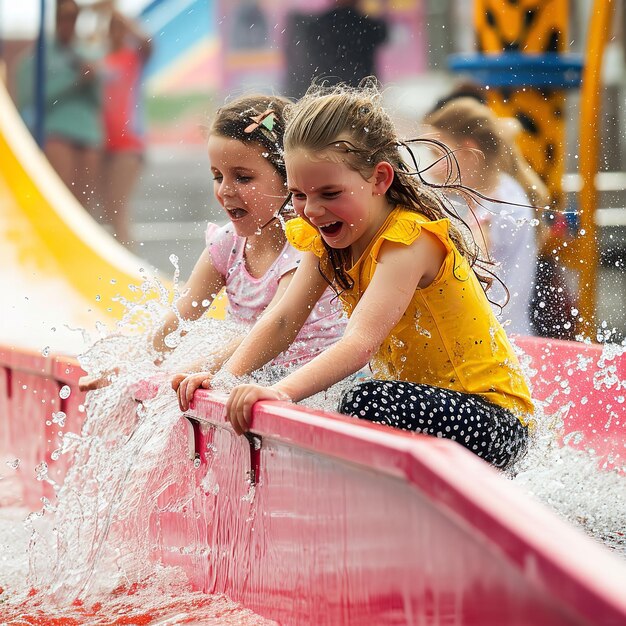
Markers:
{"x": 382, "y": 178}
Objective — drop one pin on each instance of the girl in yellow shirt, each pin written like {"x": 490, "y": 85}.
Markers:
{"x": 441, "y": 363}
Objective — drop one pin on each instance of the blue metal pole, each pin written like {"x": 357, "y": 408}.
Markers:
{"x": 1, "y": 36}
{"x": 40, "y": 77}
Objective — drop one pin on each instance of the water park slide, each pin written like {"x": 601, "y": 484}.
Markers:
{"x": 322, "y": 519}
{"x": 54, "y": 256}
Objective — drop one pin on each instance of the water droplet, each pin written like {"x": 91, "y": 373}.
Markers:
{"x": 64, "y": 392}
{"x": 14, "y": 464}
{"x": 41, "y": 471}
{"x": 59, "y": 418}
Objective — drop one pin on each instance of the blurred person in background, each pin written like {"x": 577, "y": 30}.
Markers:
{"x": 122, "y": 109}
{"x": 463, "y": 88}
{"x": 72, "y": 104}
{"x": 552, "y": 299}
{"x": 340, "y": 45}
{"x": 505, "y": 223}
{"x": 298, "y": 64}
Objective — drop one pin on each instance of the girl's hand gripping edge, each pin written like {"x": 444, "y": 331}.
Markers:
{"x": 185, "y": 386}
{"x": 243, "y": 398}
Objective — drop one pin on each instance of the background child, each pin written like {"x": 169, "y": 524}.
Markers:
{"x": 72, "y": 104}
{"x": 441, "y": 362}
{"x": 129, "y": 50}
{"x": 490, "y": 162}
{"x": 249, "y": 256}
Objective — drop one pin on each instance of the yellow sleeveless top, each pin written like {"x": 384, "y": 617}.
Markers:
{"x": 448, "y": 337}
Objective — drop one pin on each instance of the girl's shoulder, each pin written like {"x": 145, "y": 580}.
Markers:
{"x": 216, "y": 234}
{"x": 223, "y": 244}
{"x": 405, "y": 226}
{"x": 302, "y": 236}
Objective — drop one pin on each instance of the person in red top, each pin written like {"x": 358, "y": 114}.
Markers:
{"x": 129, "y": 50}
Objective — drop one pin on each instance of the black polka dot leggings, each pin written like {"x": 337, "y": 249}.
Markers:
{"x": 490, "y": 431}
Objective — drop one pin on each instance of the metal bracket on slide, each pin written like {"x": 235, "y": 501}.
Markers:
{"x": 193, "y": 439}
{"x": 254, "y": 442}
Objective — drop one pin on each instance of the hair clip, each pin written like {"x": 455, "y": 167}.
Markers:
{"x": 267, "y": 119}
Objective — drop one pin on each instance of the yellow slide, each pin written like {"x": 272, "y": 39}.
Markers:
{"x": 58, "y": 267}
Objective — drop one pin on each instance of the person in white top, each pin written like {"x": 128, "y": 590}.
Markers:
{"x": 505, "y": 224}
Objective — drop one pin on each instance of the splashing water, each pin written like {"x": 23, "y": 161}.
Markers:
{"x": 163, "y": 597}
{"x": 570, "y": 483}
{"x": 89, "y": 551}
{"x": 573, "y": 481}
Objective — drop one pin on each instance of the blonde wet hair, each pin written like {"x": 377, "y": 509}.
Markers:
{"x": 352, "y": 122}
{"x": 467, "y": 119}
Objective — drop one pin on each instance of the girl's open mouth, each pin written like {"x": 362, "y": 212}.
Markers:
{"x": 331, "y": 229}
{"x": 237, "y": 214}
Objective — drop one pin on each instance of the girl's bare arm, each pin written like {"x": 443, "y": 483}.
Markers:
{"x": 400, "y": 270}
{"x": 281, "y": 322}
{"x": 273, "y": 333}
{"x": 185, "y": 383}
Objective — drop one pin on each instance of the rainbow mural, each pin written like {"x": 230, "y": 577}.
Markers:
{"x": 224, "y": 46}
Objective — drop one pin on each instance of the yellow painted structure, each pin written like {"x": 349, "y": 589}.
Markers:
{"x": 50, "y": 245}
{"x": 52, "y": 235}
{"x": 529, "y": 27}
{"x": 536, "y": 27}
{"x": 586, "y": 248}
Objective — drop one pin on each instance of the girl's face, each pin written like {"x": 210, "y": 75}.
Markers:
{"x": 246, "y": 184}
{"x": 335, "y": 199}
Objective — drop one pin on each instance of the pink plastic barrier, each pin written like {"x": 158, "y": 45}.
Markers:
{"x": 591, "y": 382}
{"x": 31, "y": 390}
{"x": 322, "y": 519}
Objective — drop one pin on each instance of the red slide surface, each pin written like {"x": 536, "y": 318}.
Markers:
{"x": 352, "y": 523}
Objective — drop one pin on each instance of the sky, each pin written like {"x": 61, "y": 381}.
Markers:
{"x": 21, "y": 17}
